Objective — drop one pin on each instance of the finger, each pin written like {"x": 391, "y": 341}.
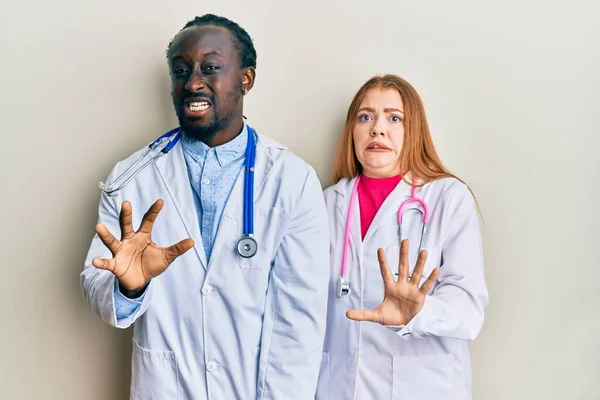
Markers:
{"x": 418, "y": 271}
{"x": 403, "y": 262}
{"x": 362, "y": 315}
{"x": 103, "y": 263}
{"x": 172, "y": 252}
{"x": 108, "y": 239}
{"x": 428, "y": 284}
{"x": 150, "y": 216}
{"x": 386, "y": 272}
{"x": 125, "y": 220}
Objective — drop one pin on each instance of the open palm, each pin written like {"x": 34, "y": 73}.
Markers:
{"x": 136, "y": 259}
{"x": 403, "y": 299}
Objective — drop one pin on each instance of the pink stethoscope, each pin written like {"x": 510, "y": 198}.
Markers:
{"x": 343, "y": 286}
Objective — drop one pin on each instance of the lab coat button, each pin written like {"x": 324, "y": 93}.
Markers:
{"x": 206, "y": 290}
{"x": 211, "y": 366}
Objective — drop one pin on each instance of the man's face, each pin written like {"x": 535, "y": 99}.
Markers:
{"x": 206, "y": 80}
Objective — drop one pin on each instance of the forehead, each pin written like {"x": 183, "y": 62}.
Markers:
{"x": 199, "y": 41}
{"x": 380, "y": 98}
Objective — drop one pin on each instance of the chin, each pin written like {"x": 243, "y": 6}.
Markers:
{"x": 200, "y": 130}
{"x": 379, "y": 162}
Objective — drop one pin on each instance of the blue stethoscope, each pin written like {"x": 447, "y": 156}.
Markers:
{"x": 247, "y": 246}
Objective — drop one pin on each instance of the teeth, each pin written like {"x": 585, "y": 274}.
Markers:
{"x": 198, "y": 106}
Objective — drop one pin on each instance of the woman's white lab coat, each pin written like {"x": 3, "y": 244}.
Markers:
{"x": 427, "y": 359}
{"x": 232, "y": 328}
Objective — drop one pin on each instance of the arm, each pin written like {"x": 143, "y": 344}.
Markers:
{"x": 456, "y": 306}
{"x": 100, "y": 287}
{"x": 297, "y": 302}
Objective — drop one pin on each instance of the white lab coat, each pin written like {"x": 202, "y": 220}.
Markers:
{"x": 231, "y": 328}
{"x": 428, "y": 359}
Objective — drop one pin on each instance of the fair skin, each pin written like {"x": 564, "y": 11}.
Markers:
{"x": 378, "y": 135}
{"x": 379, "y": 132}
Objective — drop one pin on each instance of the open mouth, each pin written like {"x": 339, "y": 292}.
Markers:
{"x": 196, "y": 107}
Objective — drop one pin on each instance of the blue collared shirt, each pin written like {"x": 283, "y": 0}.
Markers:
{"x": 213, "y": 173}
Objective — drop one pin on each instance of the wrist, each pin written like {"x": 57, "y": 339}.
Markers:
{"x": 132, "y": 293}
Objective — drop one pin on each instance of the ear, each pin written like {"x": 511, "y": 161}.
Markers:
{"x": 248, "y": 79}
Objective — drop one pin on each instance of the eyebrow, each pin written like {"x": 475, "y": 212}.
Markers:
{"x": 387, "y": 110}
{"x": 213, "y": 53}
{"x": 210, "y": 53}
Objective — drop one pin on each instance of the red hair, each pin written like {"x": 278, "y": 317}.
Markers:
{"x": 418, "y": 154}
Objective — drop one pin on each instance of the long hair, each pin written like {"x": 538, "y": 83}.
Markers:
{"x": 418, "y": 154}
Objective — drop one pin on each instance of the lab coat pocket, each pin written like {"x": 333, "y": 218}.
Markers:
{"x": 392, "y": 254}
{"x": 154, "y": 374}
{"x": 323, "y": 383}
{"x": 266, "y": 227}
{"x": 423, "y": 378}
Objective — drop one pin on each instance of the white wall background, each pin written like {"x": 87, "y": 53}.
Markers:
{"x": 512, "y": 93}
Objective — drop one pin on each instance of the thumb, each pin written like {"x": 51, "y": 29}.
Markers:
{"x": 362, "y": 315}
{"x": 103, "y": 263}
{"x": 174, "y": 251}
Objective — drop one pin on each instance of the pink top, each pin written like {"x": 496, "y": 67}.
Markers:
{"x": 372, "y": 192}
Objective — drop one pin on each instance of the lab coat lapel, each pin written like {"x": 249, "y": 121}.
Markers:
{"x": 234, "y": 209}
{"x": 344, "y": 189}
{"x": 389, "y": 208}
{"x": 173, "y": 171}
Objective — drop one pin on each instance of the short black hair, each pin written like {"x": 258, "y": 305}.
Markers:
{"x": 241, "y": 40}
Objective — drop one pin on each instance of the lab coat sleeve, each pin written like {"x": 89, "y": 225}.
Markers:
{"x": 124, "y": 306}
{"x": 295, "y": 317}
{"x": 455, "y": 308}
{"x": 98, "y": 286}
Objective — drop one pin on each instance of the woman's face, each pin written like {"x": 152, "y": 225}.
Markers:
{"x": 378, "y": 133}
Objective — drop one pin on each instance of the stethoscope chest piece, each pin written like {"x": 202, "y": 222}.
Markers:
{"x": 247, "y": 246}
{"x": 343, "y": 287}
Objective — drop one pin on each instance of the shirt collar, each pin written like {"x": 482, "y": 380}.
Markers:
{"x": 225, "y": 153}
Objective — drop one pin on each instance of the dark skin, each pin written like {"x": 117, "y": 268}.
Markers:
{"x": 205, "y": 66}
{"x": 403, "y": 298}
{"x": 205, "y": 69}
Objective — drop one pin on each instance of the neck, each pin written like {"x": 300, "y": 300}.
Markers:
{"x": 230, "y": 129}
{"x": 227, "y": 134}
{"x": 370, "y": 173}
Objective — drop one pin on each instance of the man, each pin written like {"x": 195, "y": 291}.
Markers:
{"x": 210, "y": 322}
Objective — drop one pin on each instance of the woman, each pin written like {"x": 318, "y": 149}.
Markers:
{"x": 399, "y": 319}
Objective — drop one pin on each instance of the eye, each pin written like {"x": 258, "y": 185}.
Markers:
{"x": 396, "y": 118}
{"x": 178, "y": 70}
{"x": 210, "y": 69}
{"x": 364, "y": 117}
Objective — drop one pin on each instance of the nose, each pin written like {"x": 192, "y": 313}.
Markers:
{"x": 378, "y": 128}
{"x": 375, "y": 133}
{"x": 195, "y": 82}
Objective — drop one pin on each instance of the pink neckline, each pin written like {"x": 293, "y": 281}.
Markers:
{"x": 380, "y": 183}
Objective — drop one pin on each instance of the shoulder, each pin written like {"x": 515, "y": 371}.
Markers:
{"x": 337, "y": 189}
{"x": 452, "y": 194}
{"x": 448, "y": 187}
{"x": 289, "y": 165}
{"x": 292, "y": 182}
{"x": 336, "y": 192}
{"x": 330, "y": 195}
{"x": 329, "y": 192}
